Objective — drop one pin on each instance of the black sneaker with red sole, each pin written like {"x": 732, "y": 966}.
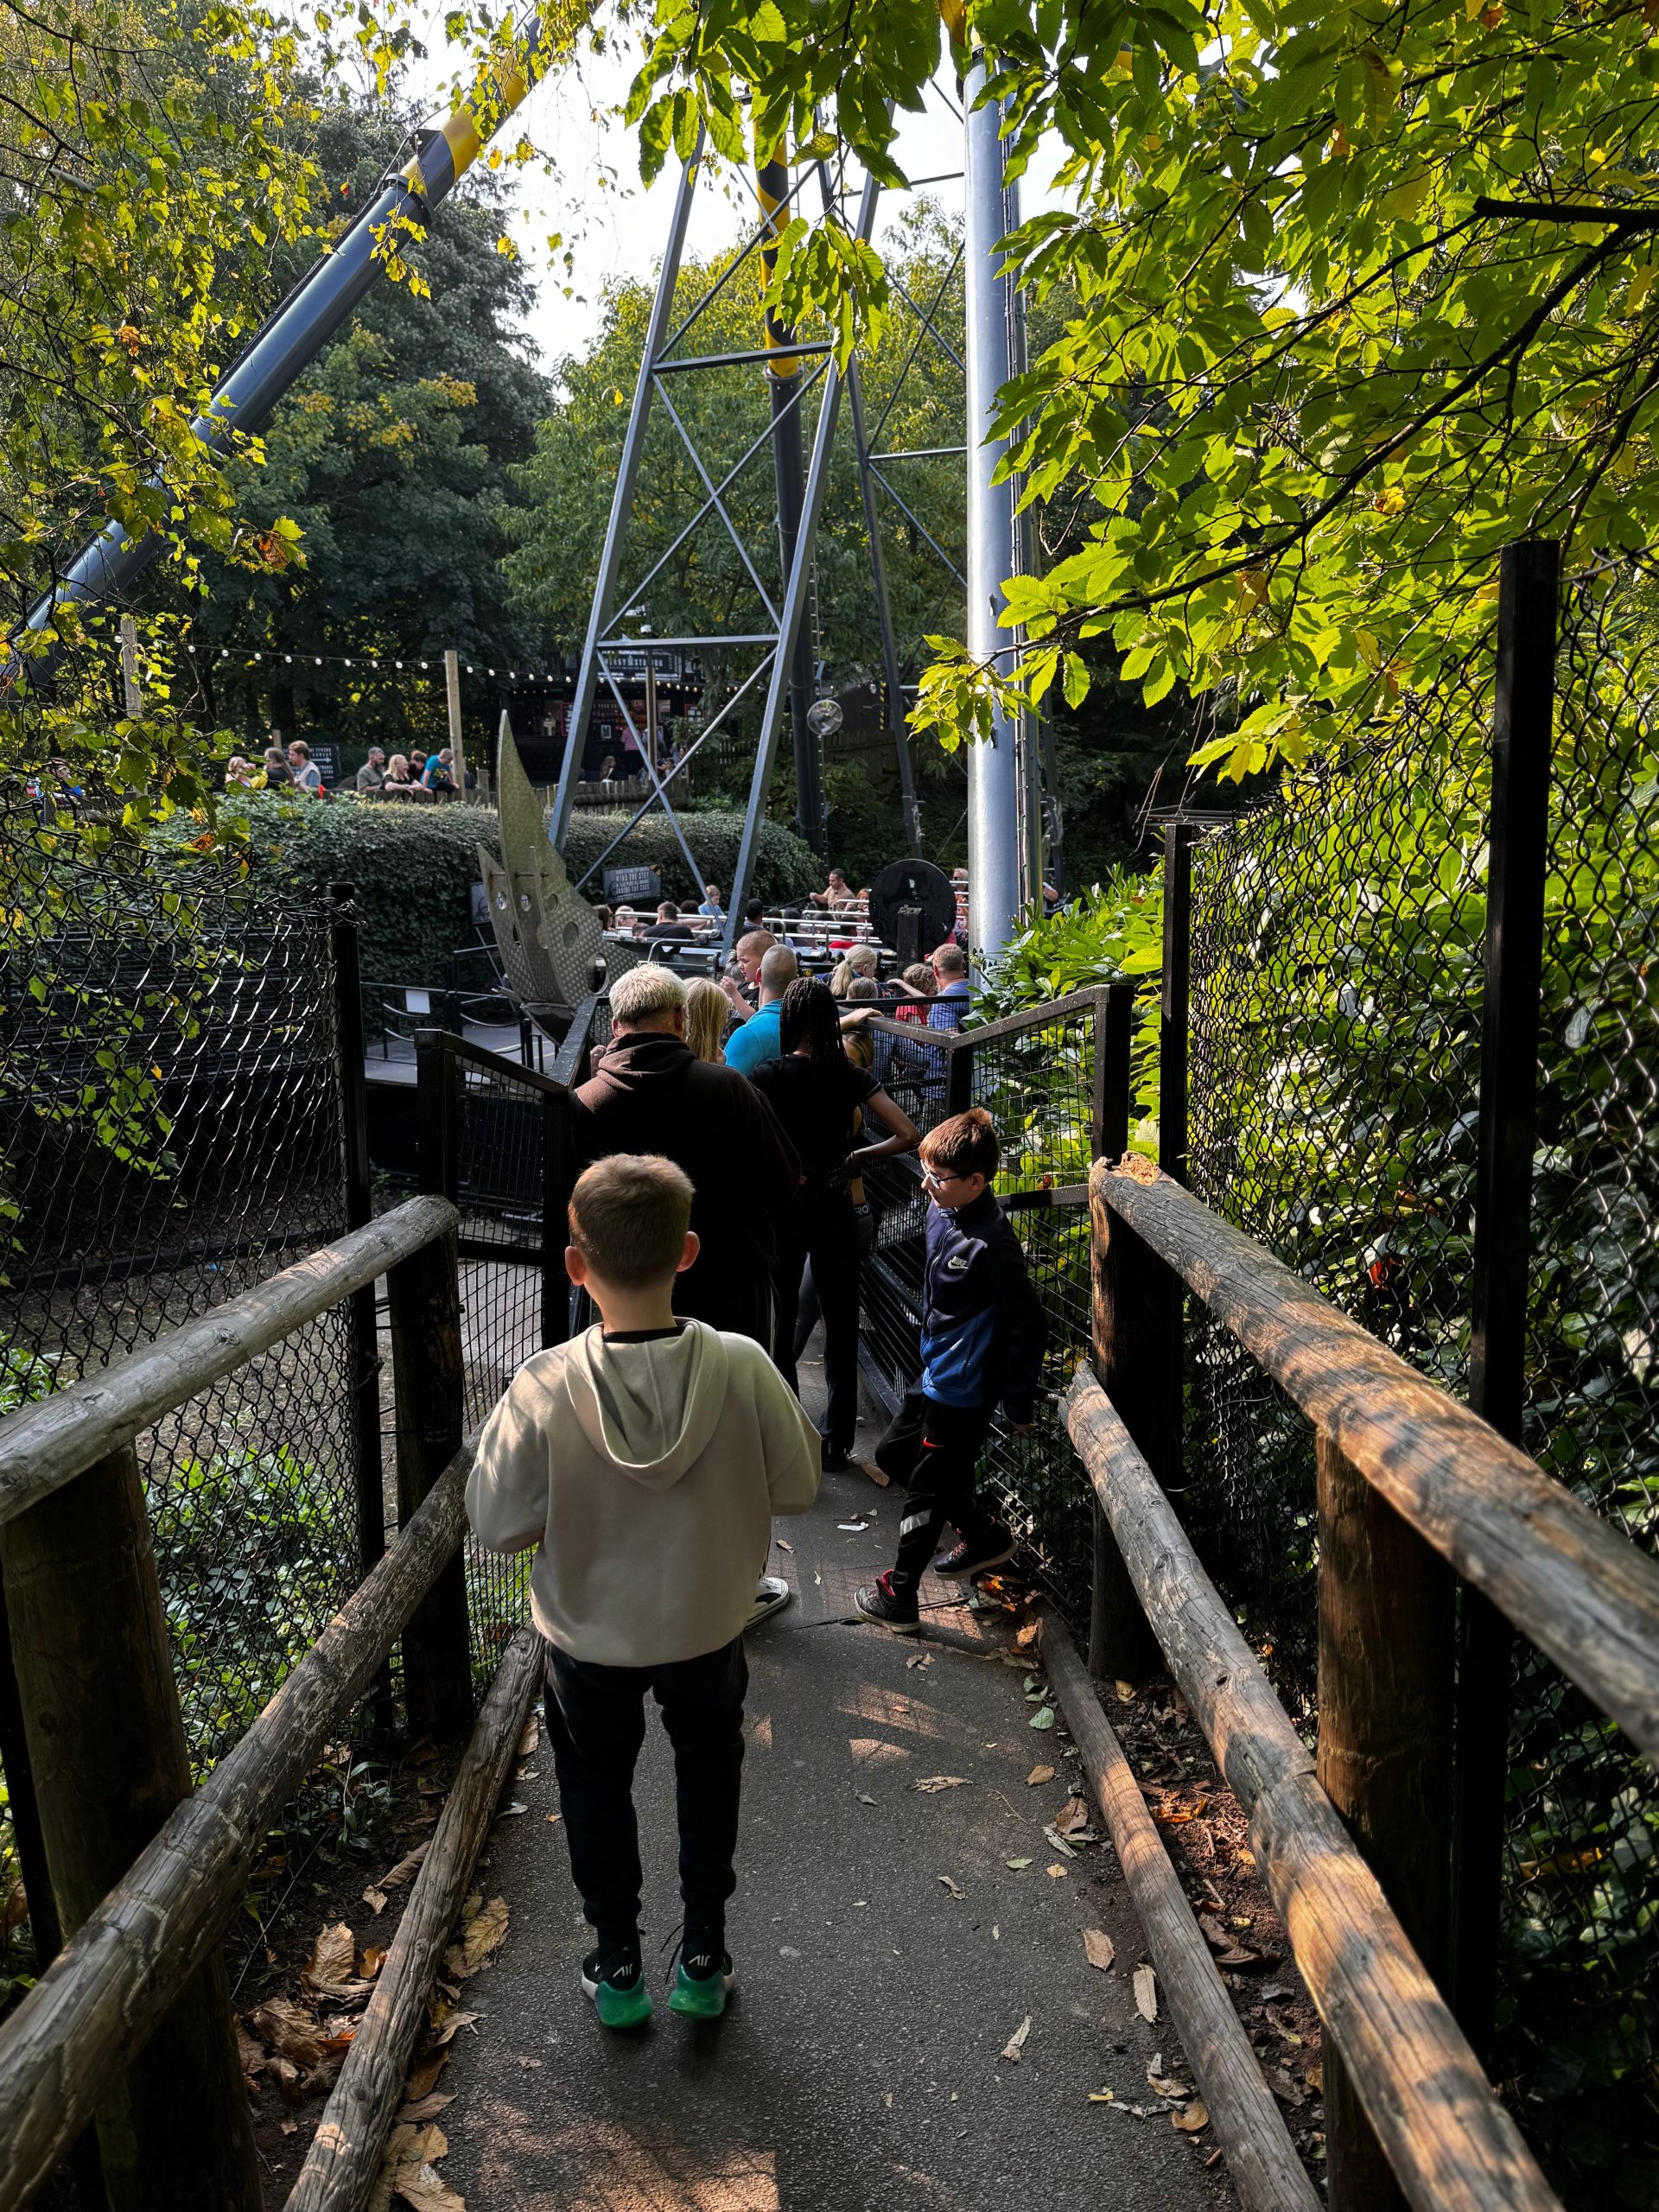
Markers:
{"x": 965, "y": 1559}
{"x": 878, "y": 1601}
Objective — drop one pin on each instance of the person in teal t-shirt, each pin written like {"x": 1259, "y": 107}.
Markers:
{"x": 757, "y": 1038}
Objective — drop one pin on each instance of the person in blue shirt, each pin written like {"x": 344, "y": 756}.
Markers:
{"x": 711, "y": 908}
{"x": 983, "y": 1338}
{"x": 757, "y": 1038}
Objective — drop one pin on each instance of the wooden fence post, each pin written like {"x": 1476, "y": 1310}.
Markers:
{"x": 1386, "y": 1639}
{"x": 423, "y": 1294}
{"x": 106, "y": 1742}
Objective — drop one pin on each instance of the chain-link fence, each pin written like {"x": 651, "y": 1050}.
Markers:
{"x": 1338, "y": 940}
{"x": 170, "y": 1134}
{"x": 1035, "y": 1075}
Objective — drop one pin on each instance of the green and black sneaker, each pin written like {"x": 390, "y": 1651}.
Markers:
{"x": 703, "y": 1978}
{"x": 615, "y": 1979}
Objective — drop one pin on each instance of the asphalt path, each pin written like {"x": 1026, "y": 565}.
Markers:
{"x": 886, "y": 1954}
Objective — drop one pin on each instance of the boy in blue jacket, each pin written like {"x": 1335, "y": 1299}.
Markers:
{"x": 983, "y": 1335}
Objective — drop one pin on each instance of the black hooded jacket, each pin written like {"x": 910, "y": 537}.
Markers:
{"x": 649, "y": 1092}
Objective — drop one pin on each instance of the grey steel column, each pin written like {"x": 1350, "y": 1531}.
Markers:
{"x": 993, "y": 764}
{"x": 783, "y": 379}
{"x": 634, "y": 446}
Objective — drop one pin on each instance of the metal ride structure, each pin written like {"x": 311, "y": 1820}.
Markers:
{"x": 294, "y": 334}
{"x": 1005, "y": 783}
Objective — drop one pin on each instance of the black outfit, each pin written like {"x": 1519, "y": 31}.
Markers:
{"x": 650, "y": 1093}
{"x": 596, "y": 1723}
{"x": 815, "y": 1106}
{"x": 983, "y": 1331}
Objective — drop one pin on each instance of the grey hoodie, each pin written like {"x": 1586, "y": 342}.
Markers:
{"x": 648, "y": 1474}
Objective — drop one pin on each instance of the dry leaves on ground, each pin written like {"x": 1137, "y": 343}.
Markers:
{"x": 484, "y": 1930}
{"x": 375, "y": 1899}
{"x": 423, "y": 2076}
{"x": 1189, "y": 2121}
{"x": 408, "y": 1864}
{"x": 448, "y": 2022}
{"x": 426, "y": 2108}
{"x": 409, "y": 2172}
{"x": 1099, "y": 1948}
{"x": 530, "y": 1738}
{"x": 1039, "y": 1774}
{"x": 951, "y": 1885}
{"x": 1016, "y": 2042}
{"x": 328, "y": 1969}
{"x": 930, "y": 1783}
{"x": 1146, "y": 1994}
{"x": 1075, "y": 1817}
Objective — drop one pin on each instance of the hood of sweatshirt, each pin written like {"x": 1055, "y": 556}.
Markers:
{"x": 649, "y": 1408}
{"x": 641, "y": 1057}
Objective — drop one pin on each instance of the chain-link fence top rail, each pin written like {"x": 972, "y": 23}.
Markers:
{"x": 1038, "y": 1084}
{"x": 170, "y": 1134}
{"x": 1338, "y": 948}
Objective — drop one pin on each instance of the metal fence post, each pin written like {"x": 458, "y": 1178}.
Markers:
{"x": 1177, "y": 990}
{"x": 435, "y": 1080}
{"x": 1120, "y": 1642}
{"x": 423, "y": 1293}
{"x": 958, "y": 1078}
{"x": 94, "y": 1665}
{"x": 1518, "y": 840}
{"x": 558, "y": 1174}
{"x": 359, "y": 1208}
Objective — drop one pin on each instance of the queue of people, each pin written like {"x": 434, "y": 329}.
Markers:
{"x": 723, "y": 1137}
{"x": 419, "y": 776}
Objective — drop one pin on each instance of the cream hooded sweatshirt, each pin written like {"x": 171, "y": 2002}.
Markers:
{"x": 648, "y": 1474}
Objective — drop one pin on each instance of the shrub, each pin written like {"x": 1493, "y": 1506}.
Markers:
{"x": 414, "y": 865}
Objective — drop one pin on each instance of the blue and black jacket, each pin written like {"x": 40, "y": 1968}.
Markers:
{"x": 983, "y": 1324}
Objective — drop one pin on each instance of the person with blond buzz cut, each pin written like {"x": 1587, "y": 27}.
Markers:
{"x": 643, "y": 1462}
{"x": 751, "y": 949}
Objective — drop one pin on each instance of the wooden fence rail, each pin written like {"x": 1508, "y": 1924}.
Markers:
{"x": 1355, "y": 1847}
{"x": 131, "y": 2023}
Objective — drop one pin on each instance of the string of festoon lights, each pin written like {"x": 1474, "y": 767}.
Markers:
{"x": 247, "y": 656}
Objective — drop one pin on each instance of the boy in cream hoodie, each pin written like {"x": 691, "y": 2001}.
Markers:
{"x": 645, "y": 1458}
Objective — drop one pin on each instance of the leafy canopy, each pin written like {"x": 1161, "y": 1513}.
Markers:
{"x": 1309, "y": 388}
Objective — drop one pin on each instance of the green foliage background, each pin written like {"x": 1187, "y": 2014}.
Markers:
{"x": 414, "y": 866}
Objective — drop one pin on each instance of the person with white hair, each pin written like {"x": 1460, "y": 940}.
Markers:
{"x": 650, "y": 1093}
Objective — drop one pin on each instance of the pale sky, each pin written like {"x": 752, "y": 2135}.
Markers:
{"x": 620, "y": 228}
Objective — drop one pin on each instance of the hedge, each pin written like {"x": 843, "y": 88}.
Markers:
{"x": 414, "y": 865}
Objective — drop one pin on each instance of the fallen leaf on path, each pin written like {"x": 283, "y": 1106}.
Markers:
{"x": 330, "y": 1963}
{"x": 553, "y": 1818}
{"x": 1286, "y": 2090}
{"x": 447, "y": 2022}
{"x": 931, "y": 1784}
{"x": 1042, "y": 1718}
{"x": 289, "y": 2029}
{"x": 864, "y": 1800}
{"x": 1017, "y": 1864}
{"x": 869, "y": 1467}
{"x": 1057, "y": 1873}
{"x": 1016, "y": 2042}
{"x": 1075, "y": 1817}
{"x": 508, "y": 1812}
{"x": 422, "y": 2076}
{"x": 1162, "y": 2085}
{"x": 1100, "y": 2097}
{"x": 785, "y": 1546}
{"x": 251, "y": 2054}
{"x": 1196, "y": 2115}
{"x": 423, "y": 2188}
{"x": 1125, "y": 1693}
{"x": 406, "y": 1866}
{"x": 1025, "y": 1637}
{"x": 920, "y": 1659}
{"x": 1146, "y": 1992}
{"x": 1039, "y": 1774}
{"x": 530, "y": 1738}
{"x": 952, "y": 1886}
{"x": 1059, "y": 1842}
{"x": 485, "y": 1932}
{"x": 372, "y": 1962}
{"x": 375, "y": 1899}
{"x": 427, "y": 2107}
{"x": 1100, "y": 1947}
